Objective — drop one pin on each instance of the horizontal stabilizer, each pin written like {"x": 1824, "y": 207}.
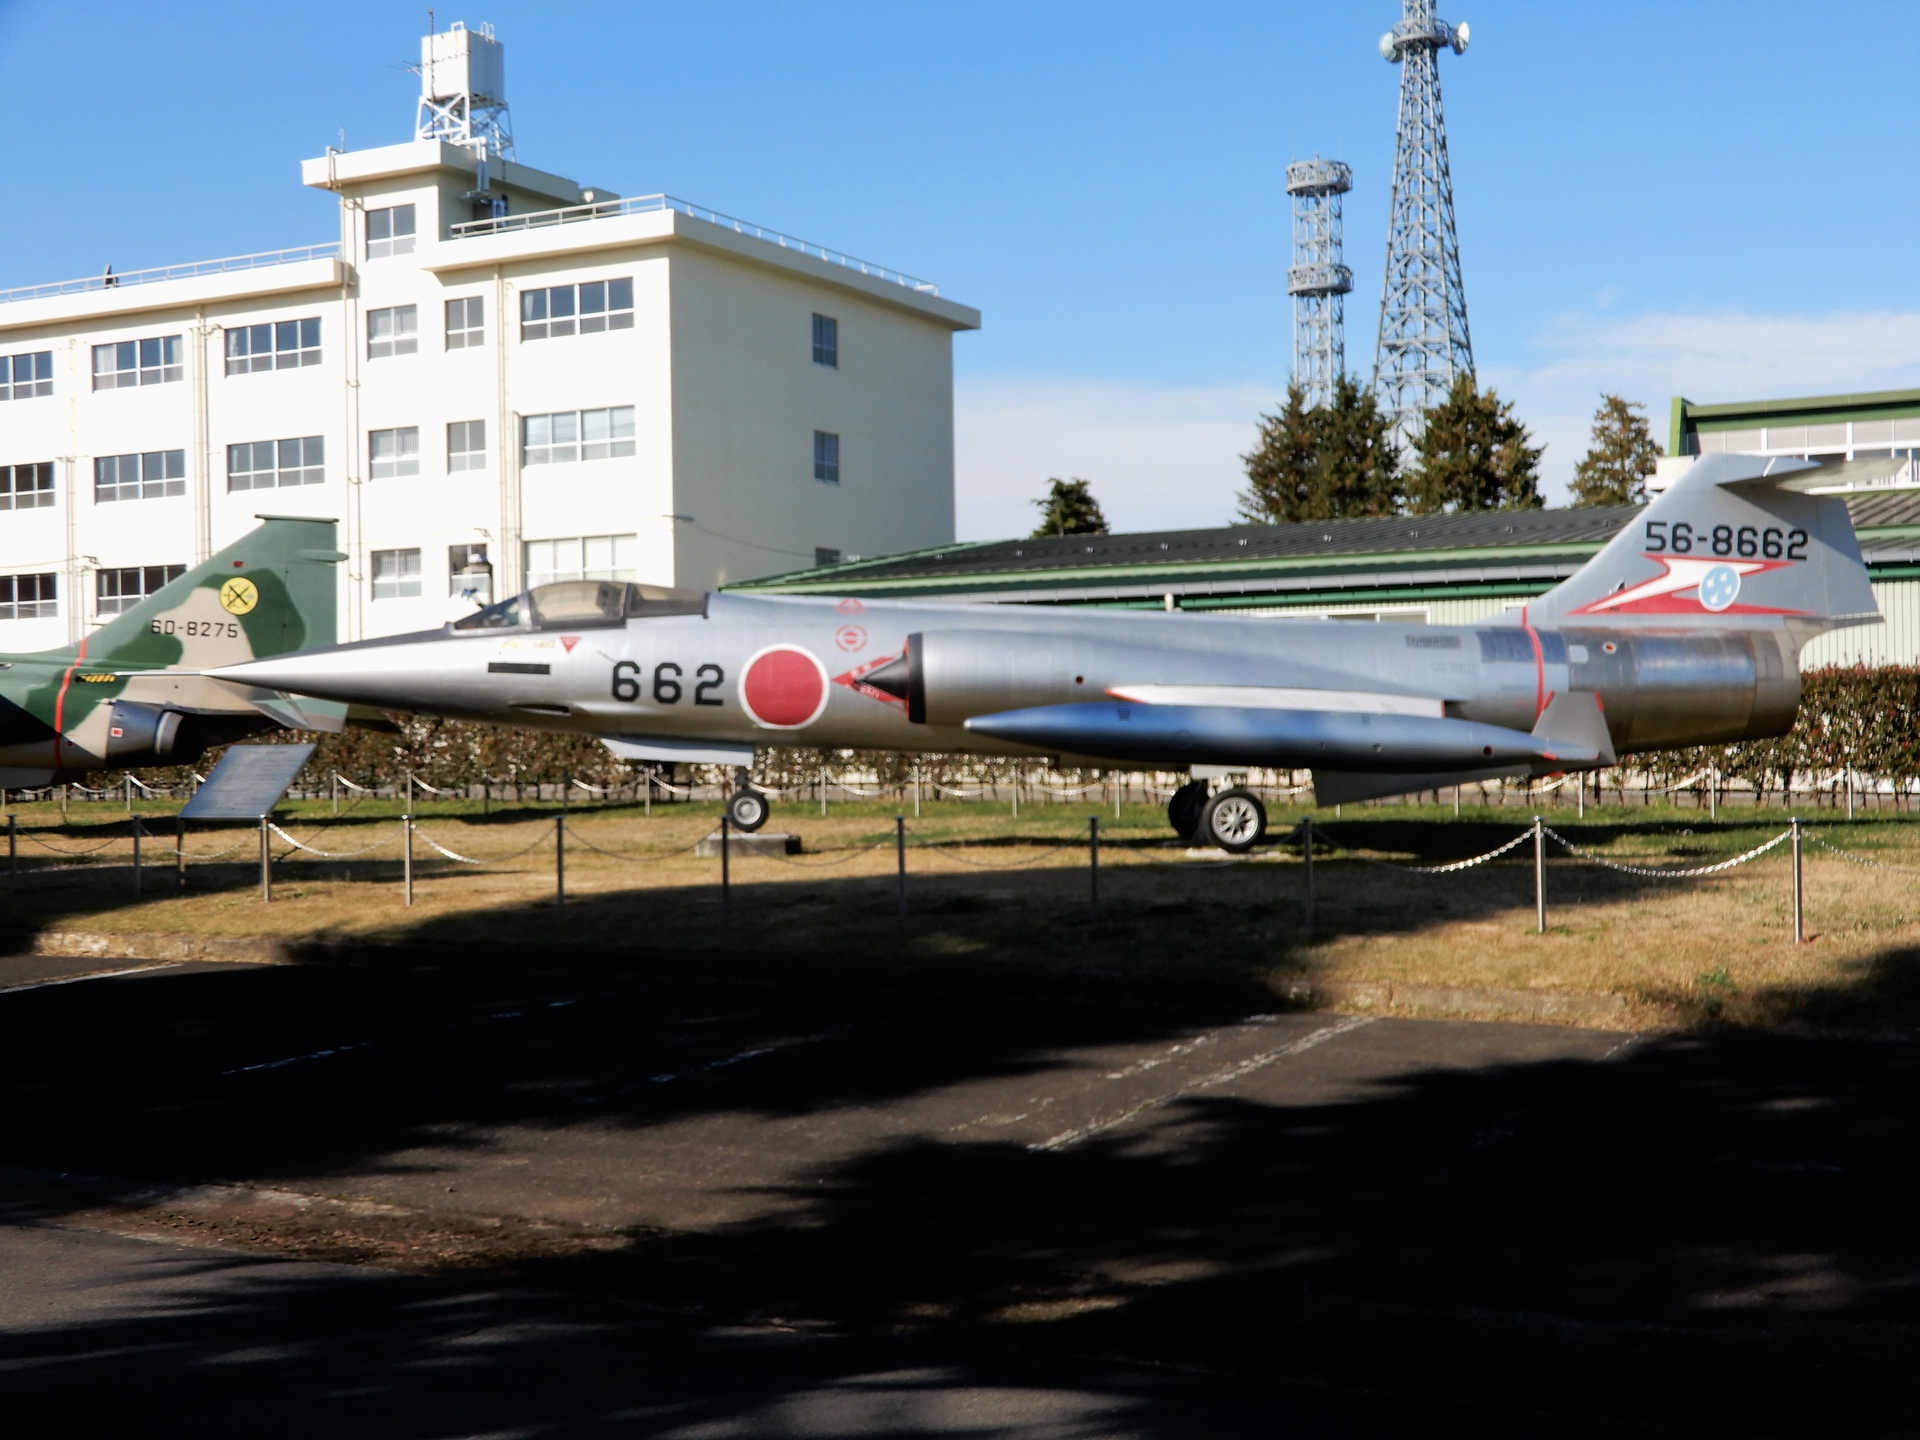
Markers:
{"x": 681, "y": 752}
{"x": 1293, "y": 739}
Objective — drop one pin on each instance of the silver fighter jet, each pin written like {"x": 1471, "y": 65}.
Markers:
{"x": 1685, "y": 630}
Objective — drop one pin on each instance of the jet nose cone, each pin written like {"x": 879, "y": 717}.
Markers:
{"x": 403, "y": 671}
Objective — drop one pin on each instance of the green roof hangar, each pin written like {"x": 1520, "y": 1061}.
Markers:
{"x": 1440, "y": 569}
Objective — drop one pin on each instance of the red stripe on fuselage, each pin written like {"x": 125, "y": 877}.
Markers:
{"x": 60, "y": 702}
{"x": 1539, "y": 668}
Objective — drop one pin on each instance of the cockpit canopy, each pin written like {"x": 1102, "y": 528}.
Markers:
{"x": 581, "y": 604}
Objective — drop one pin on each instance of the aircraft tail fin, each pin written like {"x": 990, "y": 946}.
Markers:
{"x": 271, "y": 591}
{"x": 1736, "y": 541}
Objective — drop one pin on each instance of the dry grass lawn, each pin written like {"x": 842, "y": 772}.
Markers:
{"x": 995, "y": 898}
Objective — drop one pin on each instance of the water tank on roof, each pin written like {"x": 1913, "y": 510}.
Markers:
{"x": 462, "y": 62}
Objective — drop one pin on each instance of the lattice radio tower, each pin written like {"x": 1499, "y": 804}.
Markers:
{"x": 1423, "y": 340}
{"x": 1318, "y": 280}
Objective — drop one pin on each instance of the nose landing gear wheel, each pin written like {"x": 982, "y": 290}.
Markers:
{"x": 748, "y": 810}
{"x": 1235, "y": 820}
{"x": 1184, "y": 809}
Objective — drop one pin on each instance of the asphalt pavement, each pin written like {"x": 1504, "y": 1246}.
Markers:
{"x": 424, "y": 1202}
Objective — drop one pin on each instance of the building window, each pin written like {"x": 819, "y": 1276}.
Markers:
{"x": 824, "y": 555}
{"x": 466, "y": 322}
{"x": 26, "y": 487}
{"x": 266, "y": 464}
{"x": 393, "y": 452}
{"x": 466, "y": 446}
{"x": 469, "y": 574}
{"x": 826, "y": 341}
{"x": 152, "y": 476}
{"x": 117, "y": 591}
{"x": 155, "y": 361}
{"x": 390, "y": 232}
{"x": 581, "y": 557}
{"x": 576, "y": 309}
{"x": 396, "y": 574}
{"x": 24, "y": 376}
{"x": 576, "y": 435}
{"x": 826, "y": 457}
{"x": 394, "y": 331}
{"x": 28, "y": 597}
{"x": 283, "y": 345}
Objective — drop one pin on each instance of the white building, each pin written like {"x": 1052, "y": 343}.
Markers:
{"x": 492, "y": 377}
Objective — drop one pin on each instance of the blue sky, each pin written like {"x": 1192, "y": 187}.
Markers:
{"x": 1708, "y": 199}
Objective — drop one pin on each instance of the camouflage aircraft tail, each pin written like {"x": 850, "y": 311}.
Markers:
{"x": 133, "y": 693}
{"x": 1736, "y": 542}
{"x": 269, "y": 592}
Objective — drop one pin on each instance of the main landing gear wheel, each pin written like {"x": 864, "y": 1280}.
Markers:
{"x": 1235, "y": 820}
{"x": 1184, "y": 809}
{"x": 748, "y": 810}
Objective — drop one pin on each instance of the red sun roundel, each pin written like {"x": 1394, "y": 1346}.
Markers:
{"x": 783, "y": 688}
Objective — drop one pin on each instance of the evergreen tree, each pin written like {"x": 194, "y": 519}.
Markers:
{"x": 1328, "y": 463}
{"x": 1473, "y": 455}
{"x": 1620, "y": 457}
{"x": 1068, "y": 508}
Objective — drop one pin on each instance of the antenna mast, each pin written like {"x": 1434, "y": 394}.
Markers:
{"x": 1423, "y": 340}
{"x": 1318, "y": 281}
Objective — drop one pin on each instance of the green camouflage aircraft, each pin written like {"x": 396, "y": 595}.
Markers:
{"x": 132, "y": 694}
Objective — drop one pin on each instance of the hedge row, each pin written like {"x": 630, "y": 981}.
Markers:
{"x": 1868, "y": 719}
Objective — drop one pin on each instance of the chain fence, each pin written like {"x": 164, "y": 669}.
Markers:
{"x": 1013, "y": 852}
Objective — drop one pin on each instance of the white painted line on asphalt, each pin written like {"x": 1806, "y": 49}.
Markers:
{"x": 767, "y": 1047}
{"x": 90, "y": 975}
{"x": 296, "y": 1059}
{"x": 1207, "y": 1082}
{"x": 1187, "y": 1047}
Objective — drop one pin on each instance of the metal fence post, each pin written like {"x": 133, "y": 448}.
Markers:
{"x": 1799, "y": 913}
{"x": 266, "y": 864}
{"x": 406, "y": 824}
{"x": 1539, "y": 875}
{"x": 900, "y": 849}
{"x": 726, "y": 879}
{"x": 135, "y": 822}
{"x": 1713, "y": 792}
{"x": 180, "y": 854}
{"x": 823, "y": 792}
{"x": 560, "y": 843}
{"x": 1306, "y": 830}
{"x": 1093, "y": 864}
{"x": 916, "y": 790}
{"x": 13, "y": 851}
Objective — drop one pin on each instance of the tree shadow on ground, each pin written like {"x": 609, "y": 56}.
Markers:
{"x": 1713, "y": 1230}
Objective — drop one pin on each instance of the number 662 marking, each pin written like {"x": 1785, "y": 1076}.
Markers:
{"x": 667, "y": 689}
